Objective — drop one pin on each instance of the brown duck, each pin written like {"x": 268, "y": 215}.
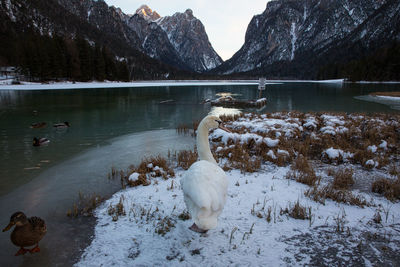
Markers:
{"x": 27, "y": 232}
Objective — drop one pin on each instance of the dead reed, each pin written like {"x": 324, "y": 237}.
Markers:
{"x": 389, "y": 188}
{"x": 343, "y": 179}
{"x": 303, "y": 172}
{"x": 149, "y": 168}
{"x": 86, "y": 205}
{"x": 320, "y": 194}
{"x": 186, "y": 158}
{"x": 297, "y": 211}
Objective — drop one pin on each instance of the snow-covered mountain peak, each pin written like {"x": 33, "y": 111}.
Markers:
{"x": 145, "y": 12}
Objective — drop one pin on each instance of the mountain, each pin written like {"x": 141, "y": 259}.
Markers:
{"x": 296, "y": 38}
{"x": 188, "y": 36}
{"x": 153, "y": 40}
{"x": 32, "y": 33}
{"x": 179, "y": 40}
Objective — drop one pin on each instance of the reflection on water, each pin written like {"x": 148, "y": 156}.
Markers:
{"x": 115, "y": 127}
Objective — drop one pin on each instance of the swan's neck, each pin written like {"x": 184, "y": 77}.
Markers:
{"x": 203, "y": 146}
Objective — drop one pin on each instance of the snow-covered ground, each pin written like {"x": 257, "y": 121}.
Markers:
{"x": 394, "y": 98}
{"x": 244, "y": 237}
{"x": 254, "y": 229}
{"x": 6, "y": 84}
{"x": 87, "y": 85}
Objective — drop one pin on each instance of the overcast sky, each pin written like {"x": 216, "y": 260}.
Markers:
{"x": 225, "y": 21}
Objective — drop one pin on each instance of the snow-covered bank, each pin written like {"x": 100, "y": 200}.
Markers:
{"x": 144, "y": 225}
{"x": 394, "y": 98}
{"x": 88, "y": 85}
{"x": 244, "y": 235}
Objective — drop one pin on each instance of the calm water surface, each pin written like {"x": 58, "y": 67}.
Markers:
{"x": 116, "y": 127}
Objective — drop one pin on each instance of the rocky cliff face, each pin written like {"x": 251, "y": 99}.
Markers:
{"x": 188, "y": 36}
{"x": 294, "y": 33}
{"x": 153, "y": 39}
{"x": 179, "y": 40}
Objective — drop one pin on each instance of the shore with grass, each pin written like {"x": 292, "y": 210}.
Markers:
{"x": 304, "y": 189}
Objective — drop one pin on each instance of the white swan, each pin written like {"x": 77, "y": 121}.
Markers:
{"x": 205, "y": 184}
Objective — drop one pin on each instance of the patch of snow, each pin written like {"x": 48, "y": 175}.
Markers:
{"x": 372, "y": 163}
{"x": 133, "y": 177}
{"x": 328, "y": 130}
{"x": 271, "y": 142}
{"x": 394, "y": 98}
{"x": 294, "y": 39}
{"x": 333, "y": 153}
{"x": 372, "y": 148}
{"x": 283, "y": 152}
{"x": 271, "y": 154}
{"x": 383, "y": 145}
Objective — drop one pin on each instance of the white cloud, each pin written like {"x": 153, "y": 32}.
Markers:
{"x": 225, "y": 21}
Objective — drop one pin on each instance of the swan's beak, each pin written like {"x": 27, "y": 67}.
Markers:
{"x": 11, "y": 224}
{"x": 223, "y": 128}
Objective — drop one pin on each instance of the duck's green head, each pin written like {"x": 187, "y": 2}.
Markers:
{"x": 18, "y": 218}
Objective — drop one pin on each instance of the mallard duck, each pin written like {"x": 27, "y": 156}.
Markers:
{"x": 40, "y": 141}
{"x": 38, "y": 125}
{"x": 27, "y": 232}
{"x": 64, "y": 124}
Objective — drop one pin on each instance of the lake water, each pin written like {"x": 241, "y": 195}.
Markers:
{"x": 117, "y": 127}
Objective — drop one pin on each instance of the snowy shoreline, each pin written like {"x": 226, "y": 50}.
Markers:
{"x": 93, "y": 85}
{"x": 256, "y": 227}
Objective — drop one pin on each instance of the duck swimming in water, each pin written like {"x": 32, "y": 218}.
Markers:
{"x": 27, "y": 232}
{"x": 40, "y": 141}
{"x": 38, "y": 125}
{"x": 64, "y": 124}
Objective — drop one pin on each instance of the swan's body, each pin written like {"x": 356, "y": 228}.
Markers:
{"x": 205, "y": 184}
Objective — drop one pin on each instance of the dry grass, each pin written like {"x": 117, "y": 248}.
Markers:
{"x": 320, "y": 194}
{"x": 165, "y": 225}
{"x": 117, "y": 210}
{"x": 86, "y": 205}
{"x": 389, "y": 188}
{"x": 303, "y": 172}
{"x": 343, "y": 179}
{"x": 297, "y": 211}
{"x": 149, "y": 168}
{"x": 186, "y": 158}
{"x": 353, "y": 135}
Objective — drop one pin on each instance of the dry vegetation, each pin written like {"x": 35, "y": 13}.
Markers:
{"x": 303, "y": 172}
{"x": 389, "y": 188}
{"x": 369, "y": 141}
{"x": 86, "y": 205}
{"x": 297, "y": 211}
{"x": 354, "y": 135}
